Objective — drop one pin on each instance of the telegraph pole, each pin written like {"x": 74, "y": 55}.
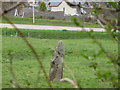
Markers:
{"x": 33, "y": 11}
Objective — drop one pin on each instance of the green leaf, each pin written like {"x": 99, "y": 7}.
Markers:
{"x": 90, "y": 57}
{"x": 93, "y": 64}
{"x": 113, "y": 4}
{"x": 85, "y": 56}
{"x": 98, "y": 53}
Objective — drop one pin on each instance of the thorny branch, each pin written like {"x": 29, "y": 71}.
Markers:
{"x": 26, "y": 41}
{"x": 34, "y": 52}
{"x": 32, "y": 49}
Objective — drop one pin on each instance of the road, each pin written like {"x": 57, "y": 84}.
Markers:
{"x": 46, "y": 27}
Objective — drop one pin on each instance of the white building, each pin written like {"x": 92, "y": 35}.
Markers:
{"x": 61, "y": 5}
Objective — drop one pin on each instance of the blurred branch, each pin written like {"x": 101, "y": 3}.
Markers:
{"x": 31, "y": 48}
{"x": 71, "y": 82}
{"x": 103, "y": 49}
{"x": 115, "y": 28}
{"x": 10, "y": 9}
{"x": 97, "y": 8}
{"x": 100, "y": 23}
{"x": 38, "y": 77}
{"x": 80, "y": 6}
{"x": 99, "y": 44}
{"x": 107, "y": 23}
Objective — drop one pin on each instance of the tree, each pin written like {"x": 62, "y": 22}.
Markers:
{"x": 42, "y": 6}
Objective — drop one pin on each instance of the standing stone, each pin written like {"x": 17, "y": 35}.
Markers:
{"x": 56, "y": 69}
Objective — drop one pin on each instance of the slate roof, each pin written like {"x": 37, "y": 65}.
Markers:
{"x": 54, "y": 3}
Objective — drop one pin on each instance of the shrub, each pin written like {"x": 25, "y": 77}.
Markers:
{"x": 42, "y": 6}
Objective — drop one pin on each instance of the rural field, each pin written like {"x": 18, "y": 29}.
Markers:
{"x": 60, "y": 44}
{"x": 78, "y": 45}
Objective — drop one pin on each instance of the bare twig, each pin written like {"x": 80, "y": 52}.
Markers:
{"x": 71, "y": 82}
{"x": 108, "y": 9}
{"x": 32, "y": 49}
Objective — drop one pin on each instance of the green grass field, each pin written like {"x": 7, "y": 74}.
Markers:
{"x": 26, "y": 20}
{"x": 26, "y": 67}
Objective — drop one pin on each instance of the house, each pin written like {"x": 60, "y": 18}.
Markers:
{"x": 61, "y": 5}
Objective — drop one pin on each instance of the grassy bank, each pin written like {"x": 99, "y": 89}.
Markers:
{"x": 26, "y": 20}
{"x": 49, "y": 34}
{"x": 26, "y": 67}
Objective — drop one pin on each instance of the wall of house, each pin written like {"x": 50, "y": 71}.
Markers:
{"x": 66, "y": 8}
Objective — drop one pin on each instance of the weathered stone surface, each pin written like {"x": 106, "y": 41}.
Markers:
{"x": 56, "y": 70}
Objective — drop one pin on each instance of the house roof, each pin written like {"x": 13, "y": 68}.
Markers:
{"x": 55, "y": 3}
